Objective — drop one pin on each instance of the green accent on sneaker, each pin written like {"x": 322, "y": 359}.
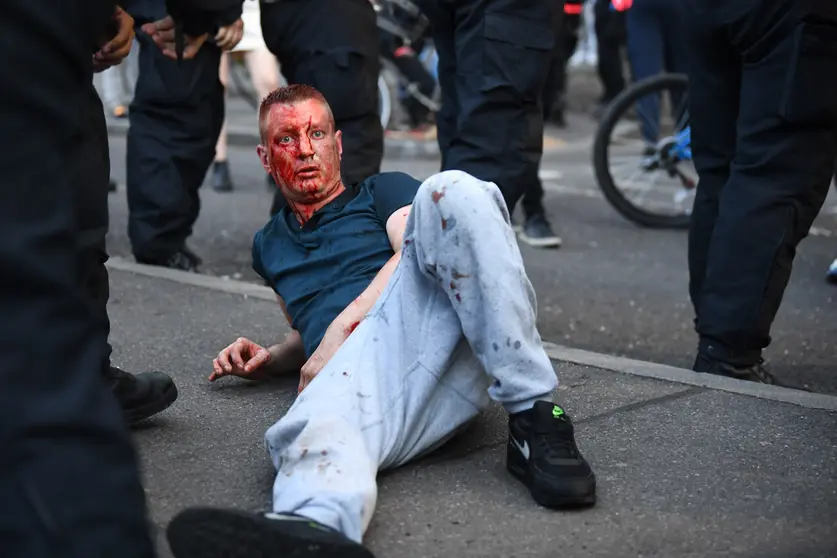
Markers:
{"x": 557, "y": 412}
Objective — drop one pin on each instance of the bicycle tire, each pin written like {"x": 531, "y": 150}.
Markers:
{"x": 622, "y": 103}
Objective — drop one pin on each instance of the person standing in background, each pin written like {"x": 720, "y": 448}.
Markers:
{"x": 611, "y": 37}
{"x": 555, "y": 89}
{"x": 264, "y": 73}
{"x": 494, "y": 58}
{"x": 176, "y": 116}
{"x": 69, "y": 481}
{"x": 536, "y": 230}
{"x": 655, "y": 38}
{"x": 763, "y": 116}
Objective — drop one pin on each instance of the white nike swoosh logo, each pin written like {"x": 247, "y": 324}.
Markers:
{"x": 524, "y": 449}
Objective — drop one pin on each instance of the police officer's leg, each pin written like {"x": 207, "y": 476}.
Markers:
{"x": 176, "y": 116}
{"x": 714, "y": 85}
{"x": 145, "y": 394}
{"x": 442, "y": 26}
{"x": 646, "y": 51}
{"x": 68, "y": 477}
{"x": 332, "y": 45}
{"x": 676, "y": 55}
{"x": 779, "y": 176}
{"x": 610, "y": 33}
{"x": 503, "y": 50}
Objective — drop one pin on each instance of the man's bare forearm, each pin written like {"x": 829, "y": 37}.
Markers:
{"x": 354, "y": 313}
{"x": 288, "y": 356}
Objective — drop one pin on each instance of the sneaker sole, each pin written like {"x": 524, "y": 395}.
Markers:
{"x": 217, "y": 533}
{"x": 553, "y": 242}
{"x": 139, "y": 414}
{"x": 581, "y": 493}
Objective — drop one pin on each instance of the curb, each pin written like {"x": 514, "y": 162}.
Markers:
{"x": 623, "y": 365}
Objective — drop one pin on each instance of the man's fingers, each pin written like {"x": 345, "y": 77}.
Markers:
{"x": 217, "y": 371}
{"x": 261, "y": 358}
{"x": 224, "y": 359}
{"x": 236, "y": 354}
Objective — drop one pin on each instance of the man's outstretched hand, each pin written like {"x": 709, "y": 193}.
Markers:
{"x": 162, "y": 32}
{"x": 243, "y": 358}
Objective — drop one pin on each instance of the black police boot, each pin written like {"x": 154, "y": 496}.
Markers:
{"x": 183, "y": 260}
{"x": 221, "y": 181}
{"x": 142, "y": 395}
{"x": 542, "y": 453}
{"x": 754, "y": 372}
{"x": 216, "y": 533}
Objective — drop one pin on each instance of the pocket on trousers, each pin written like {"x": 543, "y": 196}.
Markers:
{"x": 516, "y": 55}
{"x": 810, "y": 92}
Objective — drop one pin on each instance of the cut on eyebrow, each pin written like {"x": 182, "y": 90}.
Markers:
{"x": 283, "y": 129}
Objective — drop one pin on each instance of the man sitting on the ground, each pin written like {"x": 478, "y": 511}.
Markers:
{"x": 409, "y": 306}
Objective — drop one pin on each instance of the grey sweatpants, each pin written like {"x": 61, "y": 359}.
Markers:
{"x": 455, "y": 325}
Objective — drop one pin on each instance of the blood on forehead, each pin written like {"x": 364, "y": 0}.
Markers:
{"x": 299, "y": 117}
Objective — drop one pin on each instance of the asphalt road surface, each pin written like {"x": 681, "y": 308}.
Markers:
{"x": 612, "y": 288}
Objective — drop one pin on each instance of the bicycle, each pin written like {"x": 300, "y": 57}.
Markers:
{"x": 637, "y": 133}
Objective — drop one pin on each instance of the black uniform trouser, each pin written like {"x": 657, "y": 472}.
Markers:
{"x": 92, "y": 182}
{"x": 494, "y": 57}
{"x": 610, "y": 38}
{"x": 176, "y": 117}
{"x": 332, "y": 45}
{"x": 763, "y": 112}
{"x": 554, "y": 89}
{"x": 68, "y": 475}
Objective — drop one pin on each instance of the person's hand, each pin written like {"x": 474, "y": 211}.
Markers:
{"x": 334, "y": 337}
{"x": 230, "y": 35}
{"x": 118, "y": 47}
{"x": 242, "y": 358}
{"x": 162, "y": 33}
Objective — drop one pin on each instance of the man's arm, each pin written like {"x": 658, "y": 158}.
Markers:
{"x": 250, "y": 360}
{"x": 291, "y": 351}
{"x": 354, "y": 313}
{"x": 346, "y": 322}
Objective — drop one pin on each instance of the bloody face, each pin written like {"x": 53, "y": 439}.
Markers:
{"x": 302, "y": 152}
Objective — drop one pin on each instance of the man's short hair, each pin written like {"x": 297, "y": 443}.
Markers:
{"x": 288, "y": 95}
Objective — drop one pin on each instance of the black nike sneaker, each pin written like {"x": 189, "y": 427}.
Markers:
{"x": 141, "y": 395}
{"x": 543, "y": 454}
{"x": 219, "y": 533}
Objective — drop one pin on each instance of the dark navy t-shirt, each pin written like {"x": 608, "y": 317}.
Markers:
{"x": 320, "y": 268}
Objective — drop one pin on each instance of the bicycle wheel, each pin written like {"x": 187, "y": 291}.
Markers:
{"x": 647, "y": 126}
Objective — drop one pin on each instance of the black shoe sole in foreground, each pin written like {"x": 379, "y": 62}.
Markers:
{"x": 142, "y": 412}
{"x": 577, "y": 493}
{"x": 218, "y": 533}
